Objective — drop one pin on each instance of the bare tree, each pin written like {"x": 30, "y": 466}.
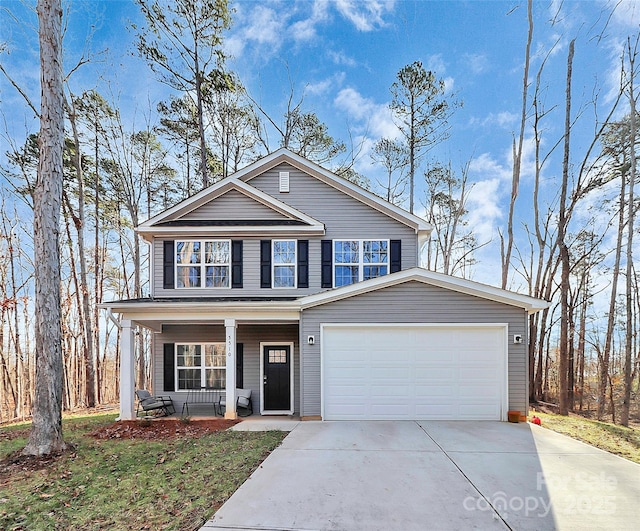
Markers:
{"x": 46, "y": 432}
{"x": 563, "y": 408}
{"x": 392, "y": 155}
{"x": 517, "y": 153}
{"x": 628, "y": 370}
{"x": 453, "y": 242}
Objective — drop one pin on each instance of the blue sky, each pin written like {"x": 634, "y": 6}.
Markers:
{"x": 343, "y": 55}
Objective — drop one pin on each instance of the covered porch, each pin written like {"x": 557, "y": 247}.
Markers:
{"x": 215, "y": 344}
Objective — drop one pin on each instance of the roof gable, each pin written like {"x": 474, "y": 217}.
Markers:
{"x": 200, "y": 211}
{"x": 357, "y": 192}
{"x": 417, "y": 274}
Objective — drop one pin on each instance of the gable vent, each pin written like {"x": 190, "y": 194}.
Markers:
{"x": 284, "y": 181}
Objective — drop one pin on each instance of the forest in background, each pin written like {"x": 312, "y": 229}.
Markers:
{"x": 577, "y": 251}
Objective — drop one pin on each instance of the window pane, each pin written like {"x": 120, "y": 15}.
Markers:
{"x": 217, "y": 277}
{"x": 284, "y": 252}
{"x": 373, "y": 271}
{"x": 188, "y": 355}
{"x": 216, "y": 252}
{"x": 216, "y": 378}
{"x": 188, "y": 277}
{"x": 346, "y": 252}
{"x": 374, "y": 252}
{"x": 188, "y": 252}
{"x": 346, "y": 275}
{"x": 277, "y": 356}
{"x": 189, "y": 379}
{"x": 284, "y": 277}
{"x": 215, "y": 355}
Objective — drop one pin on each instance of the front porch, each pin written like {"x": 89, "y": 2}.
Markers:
{"x": 253, "y": 350}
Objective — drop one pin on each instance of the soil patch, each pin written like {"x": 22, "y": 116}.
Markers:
{"x": 161, "y": 429}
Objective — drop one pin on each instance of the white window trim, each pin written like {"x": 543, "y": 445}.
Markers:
{"x": 360, "y": 263}
{"x": 203, "y": 265}
{"x": 274, "y": 265}
{"x": 203, "y": 367}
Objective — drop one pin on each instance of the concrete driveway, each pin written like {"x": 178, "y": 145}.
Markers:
{"x": 434, "y": 475}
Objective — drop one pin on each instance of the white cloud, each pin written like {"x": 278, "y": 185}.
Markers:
{"x": 483, "y": 204}
{"x": 261, "y": 26}
{"x": 505, "y": 120}
{"x": 265, "y": 26}
{"x": 626, "y": 13}
{"x": 327, "y": 85}
{"x": 436, "y": 64}
{"x": 477, "y": 63}
{"x": 449, "y": 83}
{"x": 305, "y": 30}
{"x": 365, "y": 15}
{"x": 374, "y": 118}
{"x": 341, "y": 58}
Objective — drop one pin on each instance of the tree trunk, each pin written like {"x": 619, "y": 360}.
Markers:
{"x": 85, "y": 313}
{"x": 626, "y": 403}
{"x": 517, "y": 152}
{"x": 46, "y": 431}
{"x": 563, "y": 365}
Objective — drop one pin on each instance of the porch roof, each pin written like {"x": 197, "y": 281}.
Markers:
{"x": 153, "y": 313}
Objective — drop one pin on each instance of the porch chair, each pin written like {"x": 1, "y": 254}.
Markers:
{"x": 156, "y": 404}
{"x": 243, "y": 401}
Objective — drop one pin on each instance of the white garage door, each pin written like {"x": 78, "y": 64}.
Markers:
{"x": 413, "y": 372}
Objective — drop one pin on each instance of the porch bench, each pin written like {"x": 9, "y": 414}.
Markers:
{"x": 205, "y": 396}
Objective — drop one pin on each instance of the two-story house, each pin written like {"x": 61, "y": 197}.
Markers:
{"x": 305, "y": 288}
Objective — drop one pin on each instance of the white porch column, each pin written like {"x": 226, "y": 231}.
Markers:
{"x": 127, "y": 372}
{"x": 230, "y": 328}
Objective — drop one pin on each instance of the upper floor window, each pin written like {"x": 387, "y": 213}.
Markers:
{"x": 357, "y": 260}
{"x": 284, "y": 263}
{"x": 203, "y": 263}
{"x": 201, "y": 365}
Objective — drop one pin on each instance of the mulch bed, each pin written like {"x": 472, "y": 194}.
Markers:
{"x": 161, "y": 429}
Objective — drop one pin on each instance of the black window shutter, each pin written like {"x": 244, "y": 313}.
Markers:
{"x": 236, "y": 264}
{"x": 168, "y": 263}
{"x": 303, "y": 263}
{"x": 265, "y": 263}
{"x": 239, "y": 365}
{"x": 396, "y": 255}
{"x": 169, "y": 367}
{"x": 327, "y": 263}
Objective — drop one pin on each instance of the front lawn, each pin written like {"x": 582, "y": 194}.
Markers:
{"x": 121, "y": 482}
{"x": 613, "y": 438}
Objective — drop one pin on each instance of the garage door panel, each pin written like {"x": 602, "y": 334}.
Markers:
{"x": 433, "y": 375}
{"x": 413, "y": 372}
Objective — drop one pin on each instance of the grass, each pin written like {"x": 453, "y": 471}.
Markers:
{"x": 618, "y": 440}
{"x": 127, "y": 483}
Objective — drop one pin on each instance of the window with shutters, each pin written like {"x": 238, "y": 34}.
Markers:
{"x": 284, "y": 263}
{"x": 357, "y": 260}
{"x": 203, "y": 263}
{"x": 201, "y": 365}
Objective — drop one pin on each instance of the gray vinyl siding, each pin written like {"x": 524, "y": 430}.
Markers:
{"x": 249, "y": 335}
{"x": 414, "y": 302}
{"x": 233, "y": 206}
{"x": 344, "y": 217}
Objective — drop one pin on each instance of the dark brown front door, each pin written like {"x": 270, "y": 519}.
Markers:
{"x": 277, "y": 377}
